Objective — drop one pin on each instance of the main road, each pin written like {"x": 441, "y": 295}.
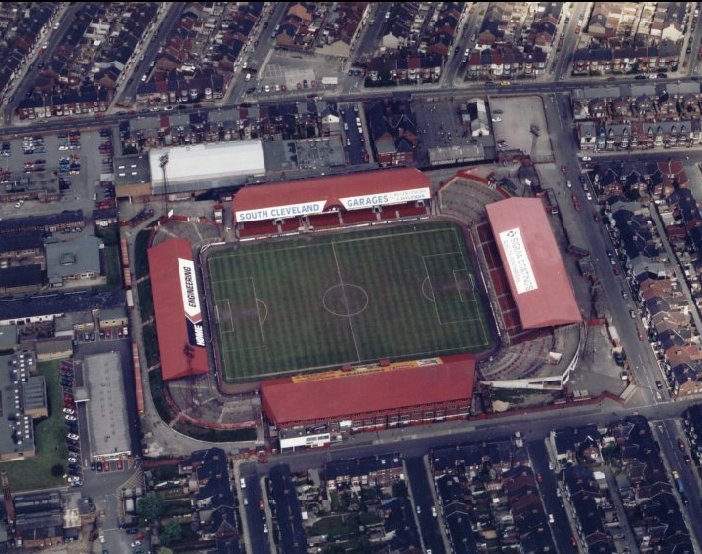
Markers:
{"x": 434, "y": 91}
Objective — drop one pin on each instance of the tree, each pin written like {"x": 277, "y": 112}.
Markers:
{"x": 57, "y": 470}
{"x": 150, "y": 507}
{"x": 172, "y": 532}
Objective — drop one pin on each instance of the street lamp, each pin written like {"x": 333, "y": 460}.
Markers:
{"x": 163, "y": 162}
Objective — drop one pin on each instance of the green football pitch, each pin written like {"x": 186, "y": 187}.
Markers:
{"x": 401, "y": 292}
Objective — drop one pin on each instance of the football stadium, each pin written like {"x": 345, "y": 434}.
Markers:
{"x": 400, "y": 292}
{"x": 347, "y": 290}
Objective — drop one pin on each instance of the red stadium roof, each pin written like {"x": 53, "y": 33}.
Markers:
{"x": 179, "y": 326}
{"x": 310, "y": 196}
{"x": 286, "y": 401}
{"x": 533, "y": 263}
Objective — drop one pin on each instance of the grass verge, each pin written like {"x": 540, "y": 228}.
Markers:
{"x": 49, "y": 434}
{"x": 150, "y": 345}
{"x": 146, "y": 301}
{"x": 113, "y": 269}
{"x": 141, "y": 262}
{"x": 156, "y": 386}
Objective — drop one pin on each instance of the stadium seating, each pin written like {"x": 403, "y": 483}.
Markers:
{"x": 289, "y": 225}
{"x": 256, "y": 228}
{"x": 358, "y": 216}
{"x": 325, "y": 220}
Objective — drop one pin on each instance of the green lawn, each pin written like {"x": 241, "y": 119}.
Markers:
{"x": 141, "y": 261}
{"x": 400, "y": 292}
{"x": 113, "y": 268}
{"x": 146, "y": 300}
{"x": 50, "y": 435}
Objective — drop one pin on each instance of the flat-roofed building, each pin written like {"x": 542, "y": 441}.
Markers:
{"x": 205, "y": 166}
{"x": 74, "y": 322}
{"x": 132, "y": 177}
{"x": 34, "y": 397}
{"x": 113, "y": 317}
{"x": 8, "y": 338}
{"x": 16, "y": 426}
{"x": 74, "y": 260}
{"x": 107, "y": 411}
{"x": 56, "y": 348}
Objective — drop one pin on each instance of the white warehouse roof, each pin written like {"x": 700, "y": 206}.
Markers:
{"x": 205, "y": 166}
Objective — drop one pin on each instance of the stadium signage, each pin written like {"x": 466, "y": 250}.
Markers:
{"x": 518, "y": 261}
{"x": 385, "y": 198}
{"x": 191, "y": 302}
{"x": 281, "y": 212}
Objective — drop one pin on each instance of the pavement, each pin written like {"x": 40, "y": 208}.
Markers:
{"x": 667, "y": 433}
{"x": 423, "y": 500}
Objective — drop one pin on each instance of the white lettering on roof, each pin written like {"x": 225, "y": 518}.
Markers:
{"x": 385, "y": 198}
{"x": 518, "y": 260}
{"x": 281, "y": 212}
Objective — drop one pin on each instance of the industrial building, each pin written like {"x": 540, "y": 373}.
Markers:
{"x": 368, "y": 398}
{"x": 107, "y": 412}
{"x": 23, "y": 397}
{"x": 205, "y": 166}
{"x": 176, "y": 295}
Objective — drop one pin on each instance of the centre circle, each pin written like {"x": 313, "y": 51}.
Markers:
{"x": 345, "y": 300}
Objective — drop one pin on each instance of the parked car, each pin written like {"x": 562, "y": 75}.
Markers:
{"x": 73, "y": 436}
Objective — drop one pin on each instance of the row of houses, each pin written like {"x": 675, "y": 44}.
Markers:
{"x": 626, "y": 59}
{"x": 628, "y": 450}
{"x": 665, "y": 309}
{"x": 683, "y": 222}
{"x": 198, "y": 58}
{"x": 638, "y": 116}
{"x": 642, "y": 21}
{"x": 22, "y": 28}
{"x": 523, "y": 25}
{"x": 488, "y": 495}
{"x": 85, "y": 68}
{"x": 300, "y": 27}
{"x": 342, "y": 28}
{"x": 644, "y": 102}
{"x": 415, "y": 42}
{"x": 505, "y": 61}
{"x": 210, "y": 489}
